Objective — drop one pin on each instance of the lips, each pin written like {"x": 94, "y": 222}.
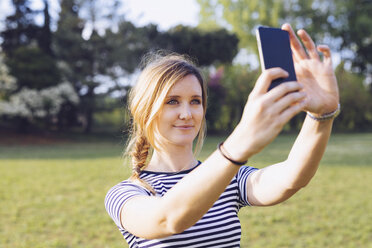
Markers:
{"x": 184, "y": 126}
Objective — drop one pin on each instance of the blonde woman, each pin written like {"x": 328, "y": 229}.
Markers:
{"x": 174, "y": 200}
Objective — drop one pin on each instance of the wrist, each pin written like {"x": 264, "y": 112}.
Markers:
{"x": 228, "y": 156}
{"x": 327, "y": 116}
{"x": 238, "y": 145}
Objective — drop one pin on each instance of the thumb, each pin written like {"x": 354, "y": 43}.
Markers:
{"x": 265, "y": 79}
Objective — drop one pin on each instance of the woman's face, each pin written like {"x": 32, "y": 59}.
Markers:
{"x": 182, "y": 113}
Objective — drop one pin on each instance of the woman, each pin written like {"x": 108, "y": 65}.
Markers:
{"x": 173, "y": 200}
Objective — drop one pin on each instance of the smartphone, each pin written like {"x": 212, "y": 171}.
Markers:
{"x": 275, "y": 51}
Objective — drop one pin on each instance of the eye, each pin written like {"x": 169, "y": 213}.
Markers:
{"x": 172, "y": 102}
{"x": 196, "y": 101}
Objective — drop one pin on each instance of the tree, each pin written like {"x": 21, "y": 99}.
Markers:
{"x": 97, "y": 60}
{"x": 356, "y": 32}
{"x": 355, "y": 101}
{"x": 108, "y": 55}
{"x": 23, "y": 106}
{"x": 20, "y": 28}
{"x": 37, "y": 107}
{"x": 33, "y": 68}
{"x": 39, "y": 94}
{"x": 68, "y": 43}
{"x": 240, "y": 17}
{"x": 216, "y": 99}
{"x": 343, "y": 25}
{"x": 7, "y": 82}
{"x": 238, "y": 82}
{"x": 44, "y": 36}
{"x": 228, "y": 90}
{"x": 28, "y": 47}
{"x": 208, "y": 47}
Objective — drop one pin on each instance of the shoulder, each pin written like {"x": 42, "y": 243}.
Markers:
{"x": 125, "y": 190}
{"x": 118, "y": 195}
{"x": 245, "y": 171}
{"x": 243, "y": 175}
{"x": 127, "y": 185}
{"x": 242, "y": 178}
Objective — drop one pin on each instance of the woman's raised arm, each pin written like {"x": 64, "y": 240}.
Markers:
{"x": 278, "y": 182}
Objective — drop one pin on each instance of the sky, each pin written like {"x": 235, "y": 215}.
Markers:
{"x": 164, "y": 13}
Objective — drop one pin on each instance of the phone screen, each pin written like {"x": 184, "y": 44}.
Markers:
{"x": 275, "y": 51}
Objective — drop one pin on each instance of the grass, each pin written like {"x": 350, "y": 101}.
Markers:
{"x": 51, "y": 195}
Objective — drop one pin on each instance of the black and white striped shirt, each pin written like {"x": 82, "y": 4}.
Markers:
{"x": 219, "y": 227}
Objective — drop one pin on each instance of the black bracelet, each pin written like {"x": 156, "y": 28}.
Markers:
{"x": 227, "y": 157}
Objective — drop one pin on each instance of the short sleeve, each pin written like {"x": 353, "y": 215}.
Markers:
{"x": 241, "y": 178}
{"x": 118, "y": 195}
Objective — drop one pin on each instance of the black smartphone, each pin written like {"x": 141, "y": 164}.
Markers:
{"x": 275, "y": 51}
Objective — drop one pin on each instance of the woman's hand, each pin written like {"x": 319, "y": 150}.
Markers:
{"x": 316, "y": 75}
{"x": 265, "y": 114}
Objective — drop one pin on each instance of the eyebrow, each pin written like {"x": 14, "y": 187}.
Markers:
{"x": 176, "y": 96}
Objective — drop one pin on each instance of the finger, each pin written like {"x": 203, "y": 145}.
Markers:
{"x": 283, "y": 89}
{"x": 289, "y": 100}
{"x": 265, "y": 79}
{"x": 309, "y": 44}
{"x": 326, "y": 52}
{"x": 297, "y": 48}
{"x": 296, "y": 60}
{"x": 291, "y": 111}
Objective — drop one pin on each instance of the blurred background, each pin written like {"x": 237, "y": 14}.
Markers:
{"x": 66, "y": 67}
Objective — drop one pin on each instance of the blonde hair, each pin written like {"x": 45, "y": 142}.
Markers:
{"x": 146, "y": 100}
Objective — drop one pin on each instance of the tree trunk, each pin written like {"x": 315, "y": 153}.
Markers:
{"x": 89, "y": 111}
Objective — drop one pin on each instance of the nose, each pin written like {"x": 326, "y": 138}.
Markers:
{"x": 185, "y": 112}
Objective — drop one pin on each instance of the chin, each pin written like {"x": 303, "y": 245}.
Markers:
{"x": 182, "y": 141}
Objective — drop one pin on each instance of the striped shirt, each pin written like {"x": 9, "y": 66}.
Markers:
{"x": 219, "y": 227}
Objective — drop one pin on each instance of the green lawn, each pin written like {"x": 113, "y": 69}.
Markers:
{"x": 52, "y": 196}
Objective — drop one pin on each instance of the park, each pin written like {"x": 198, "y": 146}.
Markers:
{"x": 65, "y": 73}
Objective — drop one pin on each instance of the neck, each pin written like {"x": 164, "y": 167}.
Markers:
{"x": 172, "y": 159}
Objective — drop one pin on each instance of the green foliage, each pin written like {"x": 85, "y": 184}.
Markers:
{"x": 52, "y": 196}
{"x": 45, "y": 33}
{"x": 241, "y": 17}
{"x": 216, "y": 99}
{"x": 68, "y": 42}
{"x": 113, "y": 120}
{"x": 85, "y": 60}
{"x": 343, "y": 25}
{"x": 28, "y": 47}
{"x": 20, "y": 28}
{"x": 128, "y": 45}
{"x": 238, "y": 81}
{"x": 356, "y": 32}
{"x": 209, "y": 47}
{"x": 115, "y": 54}
{"x": 33, "y": 68}
{"x": 227, "y": 101}
{"x": 7, "y": 82}
{"x": 228, "y": 92}
{"x": 356, "y": 102}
